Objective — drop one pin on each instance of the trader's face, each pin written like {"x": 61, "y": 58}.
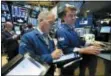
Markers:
{"x": 70, "y": 17}
{"x": 48, "y": 23}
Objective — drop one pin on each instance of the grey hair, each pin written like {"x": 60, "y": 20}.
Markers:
{"x": 43, "y": 15}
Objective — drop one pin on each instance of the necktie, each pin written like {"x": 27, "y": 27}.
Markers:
{"x": 46, "y": 39}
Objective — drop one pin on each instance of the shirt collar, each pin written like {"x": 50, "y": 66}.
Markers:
{"x": 40, "y": 31}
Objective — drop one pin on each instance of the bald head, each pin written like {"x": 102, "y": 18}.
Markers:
{"x": 8, "y": 26}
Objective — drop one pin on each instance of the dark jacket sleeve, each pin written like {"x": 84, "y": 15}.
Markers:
{"x": 6, "y": 38}
{"x": 8, "y": 41}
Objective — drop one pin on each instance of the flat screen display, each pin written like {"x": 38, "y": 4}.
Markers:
{"x": 3, "y": 19}
{"x": 34, "y": 14}
{"x": 105, "y": 29}
{"x": 33, "y": 21}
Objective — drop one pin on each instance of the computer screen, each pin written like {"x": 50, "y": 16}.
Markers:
{"x": 33, "y": 21}
{"x": 15, "y": 11}
{"x": 105, "y": 29}
{"x": 4, "y": 7}
{"x": 34, "y": 14}
{"x": 17, "y": 30}
{"x": 18, "y": 11}
{"x": 83, "y": 30}
{"x": 27, "y": 67}
{"x": 3, "y": 19}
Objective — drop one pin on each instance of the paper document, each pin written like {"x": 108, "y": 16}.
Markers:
{"x": 26, "y": 68}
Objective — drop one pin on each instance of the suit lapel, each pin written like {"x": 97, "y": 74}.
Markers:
{"x": 40, "y": 36}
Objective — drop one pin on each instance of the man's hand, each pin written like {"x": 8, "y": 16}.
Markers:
{"x": 14, "y": 36}
{"x": 56, "y": 54}
{"x": 90, "y": 50}
{"x": 97, "y": 44}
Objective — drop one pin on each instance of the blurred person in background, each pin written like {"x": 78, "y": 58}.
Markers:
{"x": 29, "y": 28}
{"x": 10, "y": 40}
{"x": 26, "y": 28}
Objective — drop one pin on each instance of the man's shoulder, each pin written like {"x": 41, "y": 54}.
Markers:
{"x": 61, "y": 28}
{"x": 30, "y": 34}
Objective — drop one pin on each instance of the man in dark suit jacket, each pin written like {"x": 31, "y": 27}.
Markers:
{"x": 39, "y": 43}
{"x": 9, "y": 39}
{"x": 69, "y": 41}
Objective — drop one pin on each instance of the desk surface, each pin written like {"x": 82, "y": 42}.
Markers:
{"x": 105, "y": 56}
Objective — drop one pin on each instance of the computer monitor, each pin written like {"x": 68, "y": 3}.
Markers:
{"x": 4, "y": 6}
{"x": 34, "y": 14}
{"x": 33, "y": 21}
{"x": 3, "y": 19}
{"x": 82, "y": 31}
{"x": 105, "y": 29}
{"x": 17, "y": 30}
